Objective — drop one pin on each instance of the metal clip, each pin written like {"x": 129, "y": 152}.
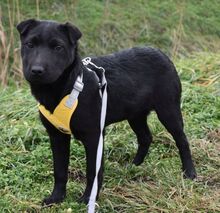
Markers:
{"x": 86, "y": 61}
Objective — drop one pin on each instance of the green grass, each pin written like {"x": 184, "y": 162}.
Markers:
{"x": 26, "y": 174}
{"x": 178, "y": 27}
{"x": 188, "y": 31}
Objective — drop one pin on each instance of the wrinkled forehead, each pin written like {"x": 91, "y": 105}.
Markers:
{"x": 46, "y": 31}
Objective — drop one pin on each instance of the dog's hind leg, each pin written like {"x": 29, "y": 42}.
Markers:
{"x": 170, "y": 116}
{"x": 144, "y": 137}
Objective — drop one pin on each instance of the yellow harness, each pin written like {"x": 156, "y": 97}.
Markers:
{"x": 61, "y": 116}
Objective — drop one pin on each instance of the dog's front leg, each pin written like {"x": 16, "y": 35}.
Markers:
{"x": 90, "y": 143}
{"x": 60, "y": 145}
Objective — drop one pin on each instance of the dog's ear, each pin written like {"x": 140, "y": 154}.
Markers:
{"x": 73, "y": 32}
{"x": 24, "y": 26}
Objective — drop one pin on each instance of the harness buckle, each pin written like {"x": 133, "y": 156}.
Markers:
{"x": 78, "y": 86}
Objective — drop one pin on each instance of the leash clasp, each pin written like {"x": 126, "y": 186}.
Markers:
{"x": 86, "y": 61}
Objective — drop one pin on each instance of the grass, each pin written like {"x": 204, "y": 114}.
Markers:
{"x": 26, "y": 174}
{"x": 179, "y": 28}
{"x": 189, "y": 33}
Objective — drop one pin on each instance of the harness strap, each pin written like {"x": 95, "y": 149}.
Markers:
{"x": 77, "y": 88}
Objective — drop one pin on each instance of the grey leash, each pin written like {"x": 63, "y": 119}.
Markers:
{"x": 103, "y": 94}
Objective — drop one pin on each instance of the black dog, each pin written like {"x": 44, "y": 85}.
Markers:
{"x": 139, "y": 80}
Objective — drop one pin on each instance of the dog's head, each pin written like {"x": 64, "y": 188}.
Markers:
{"x": 47, "y": 49}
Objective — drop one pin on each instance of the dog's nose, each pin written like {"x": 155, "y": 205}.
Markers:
{"x": 37, "y": 70}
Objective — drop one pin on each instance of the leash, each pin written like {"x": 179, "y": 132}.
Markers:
{"x": 103, "y": 95}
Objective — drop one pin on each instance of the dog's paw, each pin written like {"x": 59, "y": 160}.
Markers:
{"x": 139, "y": 157}
{"x": 190, "y": 174}
{"x": 84, "y": 199}
{"x": 52, "y": 200}
{"x": 138, "y": 161}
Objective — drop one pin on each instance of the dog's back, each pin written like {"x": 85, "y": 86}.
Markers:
{"x": 139, "y": 79}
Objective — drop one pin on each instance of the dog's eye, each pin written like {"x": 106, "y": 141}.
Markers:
{"x": 29, "y": 45}
{"x": 58, "y": 48}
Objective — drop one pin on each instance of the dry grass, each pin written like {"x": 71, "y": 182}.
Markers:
{"x": 4, "y": 54}
{"x": 10, "y": 63}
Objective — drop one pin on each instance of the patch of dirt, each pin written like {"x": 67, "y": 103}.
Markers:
{"x": 213, "y": 181}
{"x": 141, "y": 178}
{"x": 76, "y": 175}
{"x": 214, "y": 136}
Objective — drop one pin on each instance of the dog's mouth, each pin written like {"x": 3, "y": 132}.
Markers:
{"x": 35, "y": 81}
{"x": 38, "y": 80}
{"x": 44, "y": 79}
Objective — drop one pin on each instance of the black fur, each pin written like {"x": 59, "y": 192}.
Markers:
{"x": 139, "y": 80}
